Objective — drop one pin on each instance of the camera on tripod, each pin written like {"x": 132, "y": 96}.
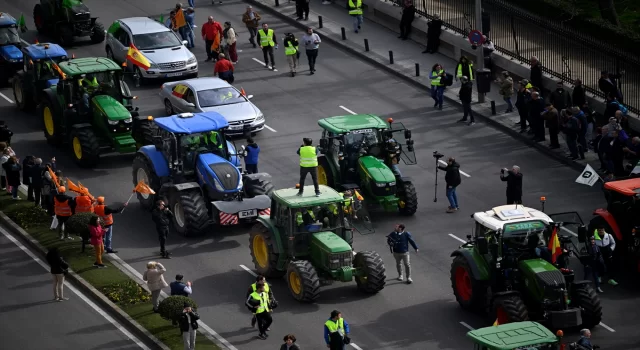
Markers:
{"x": 437, "y": 155}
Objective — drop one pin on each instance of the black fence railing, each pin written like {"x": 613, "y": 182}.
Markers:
{"x": 565, "y": 54}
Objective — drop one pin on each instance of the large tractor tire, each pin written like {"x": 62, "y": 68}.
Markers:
{"x": 257, "y": 187}
{"x": 469, "y": 292}
{"x": 509, "y": 309}
{"x": 190, "y": 214}
{"x": 97, "y": 33}
{"x": 325, "y": 176}
{"x": 143, "y": 131}
{"x": 261, "y": 244}
{"x": 407, "y": 199}
{"x": 38, "y": 19}
{"x": 22, "y": 96}
{"x": 588, "y": 300}
{"x": 85, "y": 147}
{"x": 303, "y": 281}
{"x": 50, "y": 122}
{"x": 65, "y": 35}
{"x": 143, "y": 171}
{"x": 374, "y": 278}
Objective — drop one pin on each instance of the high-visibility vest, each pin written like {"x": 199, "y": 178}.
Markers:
{"x": 264, "y": 301}
{"x": 308, "y": 157}
{"x": 93, "y": 83}
{"x": 107, "y": 219}
{"x": 255, "y": 287}
{"x": 266, "y": 38}
{"x": 61, "y": 208}
{"x": 333, "y": 208}
{"x": 213, "y": 138}
{"x": 358, "y": 7}
{"x": 436, "y": 81}
{"x": 459, "y": 74}
{"x": 300, "y": 219}
{"x": 335, "y": 326}
{"x": 290, "y": 49}
{"x": 83, "y": 204}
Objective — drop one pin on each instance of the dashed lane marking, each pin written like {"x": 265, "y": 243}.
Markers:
{"x": 457, "y": 238}
{"x": 77, "y": 292}
{"x": 467, "y": 326}
{"x": 6, "y": 98}
{"x": 270, "y": 128}
{"x": 348, "y": 110}
{"x": 355, "y": 346}
{"x": 249, "y": 271}
{"x": 607, "y": 327}
{"x": 262, "y": 63}
{"x": 445, "y": 163}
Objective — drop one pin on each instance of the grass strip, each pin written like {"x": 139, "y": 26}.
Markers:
{"x": 113, "y": 283}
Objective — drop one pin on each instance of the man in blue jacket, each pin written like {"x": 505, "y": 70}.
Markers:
{"x": 336, "y": 331}
{"x": 251, "y": 156}
{"x": 399, "y": 241}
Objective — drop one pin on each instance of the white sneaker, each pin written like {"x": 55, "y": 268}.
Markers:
{"x": 62, "y": 238}
{"x": 400, "y": 278}
{"x": 70, "y": 238}
{"x": 409, "y": 280}
{"x": 600, "y": 290}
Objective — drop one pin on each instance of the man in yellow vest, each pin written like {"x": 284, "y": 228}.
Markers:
{"x": 267, "y": 289}
{"x": 464, "y": 69}
{"x": 336, "y": 331}
{"x": 267, "y": 40}
{"x": 258, "y": 302}
{"x": 291, "y": 51}
{"x": 437, "y": 85}
{"x": 355, "y": 11}
{"x": 308, "y": 164}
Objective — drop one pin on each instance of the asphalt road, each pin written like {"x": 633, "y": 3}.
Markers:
{"x": 31, "y": 319}
{"x": 420, "y": 316}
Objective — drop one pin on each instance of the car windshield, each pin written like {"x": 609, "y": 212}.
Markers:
{"x": 219, "y": 97}
{"x": 156, "y": 41}
{"x": 9, "y": 35}
{"x": 318, "y": 217}
{"x": 364, "y": 137}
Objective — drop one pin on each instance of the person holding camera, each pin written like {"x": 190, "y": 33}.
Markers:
{"x": 188, "y": 322}
{"x": 513, "y": 178}
{"x": 453, "y": 180}
{"x": 161, "y": 216}
{"x": 308, "y": 164}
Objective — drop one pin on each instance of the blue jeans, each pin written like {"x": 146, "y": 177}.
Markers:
{"x": 14, "y": 191}
{"x": 437, "y": 94}
{"x": 593, "y": 273}
{"x": 509, "y": 104}
{"x": 452, "y": 197}
{"x": 183, "y": 32}
{"x": 107, "y": 238}
{"x": 357, "y": 22}
{"x": 190, "y": 38}
{"x": 192, "y": 3}
{"x": 396, "y": 169}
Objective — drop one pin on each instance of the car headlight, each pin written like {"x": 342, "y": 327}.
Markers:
{"x": 381, "y": 184}
{"x": 112, "y": 122}
{"x": 128, "y": 120}
{"x": 192, "y": 60}
{"x": 260, "y": 117}
{"x": 153, "y": 65}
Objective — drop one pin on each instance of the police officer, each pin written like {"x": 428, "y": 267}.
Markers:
{"x": 162, "y": 216}
{"x": 267, "y": 289}
{"x": 64, "y": 207}
{"x": 308, "y": 165}
{"x": 106, "y": 214}
{"x": 267, "y": 40}
{"x": 180, "y": 288}
{"x": 258, "y": 301}
{"x": 336, "y": 331}
{"x": 291, "y": 51}
{"x": 513, "y": 178}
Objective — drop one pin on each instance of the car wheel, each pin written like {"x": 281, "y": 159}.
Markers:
{"x": 168, "y": 107}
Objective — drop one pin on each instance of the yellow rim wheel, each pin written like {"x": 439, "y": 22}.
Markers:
{"x": 322, "y": 176}
{"x": 77, "y": 147}
{"x": 401, "y": 204}
{"x": 260, "y": 251}
{"x": 48, "y": 121}
{"x": 295, "y": 283}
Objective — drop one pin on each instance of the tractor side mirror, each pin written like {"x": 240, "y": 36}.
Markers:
{"x": 324, "y": 144}
{"x": 582, "y": 234}
{"x": 407, "y": 134}
{"x": 410, "y": 145}
{"x": 483, "y": 245}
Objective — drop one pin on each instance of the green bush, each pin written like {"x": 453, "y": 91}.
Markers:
{"x": 30, "y": 217}
{"x": 171, "y": 307}
{"x": 128, "y": 292}
{"x": 78, "y": 224}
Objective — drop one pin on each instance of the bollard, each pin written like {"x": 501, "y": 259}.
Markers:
{"x": 417, "y": 69}
{"x": 344, "y": 34}
{"x": 277, "y": 3}
{"x": 319, "y": 21}
{"x": 366, "y": 44}
{"x": 493, "y": 107}
{"x": 390, "y": 57}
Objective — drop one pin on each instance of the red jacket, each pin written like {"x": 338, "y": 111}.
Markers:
{"x": 96, "y": 233}
{"x": 210, "y": 30}
{"x": 223, "y": 65}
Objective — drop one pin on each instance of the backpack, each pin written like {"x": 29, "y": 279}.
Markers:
{"x": 621, "y": 107}
{"x": 447, "y": 79}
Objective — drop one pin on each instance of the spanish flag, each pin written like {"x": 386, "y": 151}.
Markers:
{"x": 179, "y": 90}
{"x": 137, "y": 58}
{"x": 554, "y": 246}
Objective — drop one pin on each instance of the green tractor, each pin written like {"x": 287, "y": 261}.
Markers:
{"x": 305, "y": 239}
{"x": 516, "y": 336}
{"x": 362, "y": 152}
{"x": 67, "y": 19}
{"x": 92, "y": 120}
{"x": 507, "y": 271}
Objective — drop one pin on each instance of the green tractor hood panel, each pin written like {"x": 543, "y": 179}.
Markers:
{"x": 539, "y": 274}
{"x": 329, "y": 242}
{"x": 110, "y": 107}
{"x": 376, "y": 169}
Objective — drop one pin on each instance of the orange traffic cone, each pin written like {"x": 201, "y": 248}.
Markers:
{"x": 242, "y": 92}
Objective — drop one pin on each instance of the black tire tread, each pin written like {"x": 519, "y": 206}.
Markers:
{"x": 271, "y": 271}
{"x": 97, "y": 35}
{"x": 376, "y": 277}
{"x": 144, "y": 132}
{"x": 478, "y": 292}
{"x": 309, "y": 278}
{"x": 90, "y": 147}
{"x": 410, "y": 197}
{"x": 514, "y": 307}
{"x": 26, "y": 104}
{"x": 259, "y": 187}
{"x": 587, "y": 298}
{"x": 141, "y": 161}
{"x": 196, "y": 215}
{"x": 65, "y": 34}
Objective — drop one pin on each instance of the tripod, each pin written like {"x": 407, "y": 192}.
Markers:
{"x": 435, "y": 190}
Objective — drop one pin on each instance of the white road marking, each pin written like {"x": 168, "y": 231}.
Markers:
{"x": 270, "y": 128}
{"x": 6, "y": 98}
{"x": 607, "y": 327}
{"x": 77, "y": 292}
{"x": 249, "y": 271}
{"x": 467, "y": 326}
{"x": 262, "y": 63}
{"x": 457, "y": 238}
{"x": 445, "y": 163}
{"x": 355, "y": 346}
{"x": 348, "y": 110}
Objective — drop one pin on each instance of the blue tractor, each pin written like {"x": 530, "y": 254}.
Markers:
{"x": 195, "y": 168}
{"x": 37, "y": 74}
{"x": 10, "y": 54}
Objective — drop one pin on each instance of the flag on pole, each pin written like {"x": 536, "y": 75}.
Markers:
{"x": 137, "y": 58}
{"x": 179, "y": 90}
{"x": 496, "y": 323}
{"x": 114, "y": 27}
{"x": 58, "y": 70}
{"x": 554, "y": 246}
{"x": 143, "y": 188}
{"x": 54, "y": 178}
{"x": 588, "y": 176}
{"x": 242, "y": 92}
{"x": 22, "y": 24}
{"x": 636, "y": 169}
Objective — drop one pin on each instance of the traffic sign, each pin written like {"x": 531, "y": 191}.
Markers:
{"x": 476, "y": 37}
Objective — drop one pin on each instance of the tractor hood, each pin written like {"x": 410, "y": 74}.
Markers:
{"x": 540, "y": 276}
{"x": 376, "y": 169}
{"x": 329, "y": 242}
{"x": 11, "y": 53}
{"x": 219, "y": 173}
{"x": 111, "y": 108}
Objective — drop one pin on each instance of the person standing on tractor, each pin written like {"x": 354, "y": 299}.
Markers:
{"x": 162, "y": 216}
{"x": 607, "y": 245}
{"x": 267, "y": 289}
{"x": 393, "y": 154}
{"x": 258, "y": 302}
{"x": 399, "y": 241}
{"x": 513, "y": 178}
{"x": 106, "y": 214}
{"x": 308, "y": 164}
{"x": 64, "y": 207}
{"x": 336, "y": 331}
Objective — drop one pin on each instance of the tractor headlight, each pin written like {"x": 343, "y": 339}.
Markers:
{"x": 381, "y": 184}
{"x": 13, "y": 60}
{"x": 191, "y": 60}
{"x": 392, "y": 183}
{"x": 240, "y": 184}
{"x": 112, "y": 122}
{"x": 218, "y": 185}
{"x": 128, "y": 120}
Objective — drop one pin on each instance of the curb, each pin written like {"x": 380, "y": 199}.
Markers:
{"x": 409, "y": 79}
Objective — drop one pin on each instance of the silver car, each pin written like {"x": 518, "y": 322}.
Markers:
{"x": 213, "y": 94}
{"x": 168, "y": 55}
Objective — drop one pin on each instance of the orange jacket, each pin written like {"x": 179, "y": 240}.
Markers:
{"x": 180, "y": 21}
{"x": 106, "y": 218}
{"x": 62, "y": 206}
{"x": 83, "y": 204}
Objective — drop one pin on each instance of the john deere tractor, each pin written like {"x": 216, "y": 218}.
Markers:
{"x": 516, "y": 336}
{"x": 305, "y": 239}
{"x": 362, "y": 152}
{"x": 193, "y": 166}
{"x": 67, "y": 19}
{"x": 500, "y": 272}
{"x": 95, "y": 117}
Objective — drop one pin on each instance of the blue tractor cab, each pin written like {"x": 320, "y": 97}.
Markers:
{"x": 10, "y": 43}
{"x": 37, "y": 73}
{"x": 196, "y": 169}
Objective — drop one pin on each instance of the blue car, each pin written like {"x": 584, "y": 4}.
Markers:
{"x": 10, "y": 54}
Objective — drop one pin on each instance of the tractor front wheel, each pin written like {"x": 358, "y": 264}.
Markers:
{"x": 509, "y": 309}
{"x": 65, "y": 35}
{"x": 325, "y": 176}
{"x": 85, "y": 147}
{"x": 257, "y": 187}
{"x": 303, "y": 281}
{"x": 97, "y": 33}
{"x": 261, "y": 244}
{"x": 143, "y": 131}
{"x": 190, "y": 214}
{"x": 372, "y": 277}
{"x": 469, "y": 292}
{"x": 143, "y": 171}
{"x": 588, "y": 300}
{"x": 407, "y": 199}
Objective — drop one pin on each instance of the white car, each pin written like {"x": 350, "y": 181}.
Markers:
{"x": 213, "y": 94}
{"x": 168, "y": 55}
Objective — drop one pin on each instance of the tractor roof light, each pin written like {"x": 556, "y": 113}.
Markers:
{"x": 390, "y": 120}
{"x": 297, "y": 185}
{"x": 543, "y": 199}
{"x": 135, "y": 97}
{"x": 149, "y": 118}
{"x": 560, "y": 333}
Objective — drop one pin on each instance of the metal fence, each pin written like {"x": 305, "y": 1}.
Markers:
{"x": 564, "y": 53}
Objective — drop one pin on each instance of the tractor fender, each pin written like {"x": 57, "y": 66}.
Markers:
{"x": 277, "y": 242}
{"x": 160, "y": 165}
{"x": 258, "y": 176}
{"x": 478, "y": 268}
{"x": 608, "y": 217}
{"x": 580, "y": 283}
{"x": 406, "y": 179}
{"x": 51, "y": 95}
{"x": 258, "y": 203}
{"x": 81, "y": 126}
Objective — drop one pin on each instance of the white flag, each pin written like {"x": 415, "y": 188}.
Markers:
{"x": 636, "y": 169}
{"x": 588, "y": 176}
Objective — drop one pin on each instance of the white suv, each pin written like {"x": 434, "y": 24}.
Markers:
{"x": 168, "y": 54}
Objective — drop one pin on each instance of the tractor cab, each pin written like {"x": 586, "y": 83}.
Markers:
{"x": 516, "y": 336}
{"x": 37, "y": 73}
{"x": 10, "y": 43}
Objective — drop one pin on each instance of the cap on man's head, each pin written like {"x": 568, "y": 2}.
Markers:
{"x": 100, "y": 200}
{"x": 249, "y": 7}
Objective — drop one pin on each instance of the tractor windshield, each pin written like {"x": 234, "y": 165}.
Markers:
{"x": 524, "y": 234}
{"x": 9, "y": 35}
{"x": 357, "y": 139}
{"x": 206, "y": 142}
{"x": 108, "y": 83}
{"x": 318, "y": 217}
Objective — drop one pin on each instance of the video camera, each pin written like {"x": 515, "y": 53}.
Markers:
{"x": 437, "y": 155}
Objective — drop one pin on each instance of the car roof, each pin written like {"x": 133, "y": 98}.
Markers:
{"x": 44, "y": 50}
{"x": 88, "y": 65}
{"x": 628, "y": 187}
{"x": 346, "y": 123}
{"x": 289, "y": 197}
{"x": 497, "y": 217}
{"x": 6, "y": 19}
{"x": 192, "y": 123}
{"x": 143, "y": 25}
{"x": 513, "y": 335}
{"x": 199, "y": 84}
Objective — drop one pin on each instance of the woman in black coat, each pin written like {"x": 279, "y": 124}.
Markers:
{"x": 434, "y": 29}
{"x": 12, "y": 169}
{"x": 58, "y": 269}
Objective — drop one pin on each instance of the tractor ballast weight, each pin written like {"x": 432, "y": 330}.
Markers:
{"x": 67, "y": 19}
{"x": 11, "y": 58}
{"x": 193, "y": 167}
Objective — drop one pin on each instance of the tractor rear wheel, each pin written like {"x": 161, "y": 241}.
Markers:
{"x": 257, "y": 187}
{"x": 325, "y": 176}
{"x": 407, "y": 199}
{"x": 50, "y": 122}
{"x": 303, "y": 281}
{"x": 143, "y": 171}
{"x": 85, "y": 147}
{"x": 373, "y": 279}
{"x": 469, "y": 292}
{"x": 38, "y": 19}
{"x": 261, "y": 244}
{"x": 97, "y": 33}
{"x": 509, "y": 309}
{"x": 190, "y": 214}
{"x": 588, "y": 300}
{"x": 21, "y": 95}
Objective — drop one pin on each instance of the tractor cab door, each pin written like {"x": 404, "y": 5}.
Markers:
{"x": 357, "y": 218}
{"x": 571, "y": 225}
{"x": 402, "y": 135}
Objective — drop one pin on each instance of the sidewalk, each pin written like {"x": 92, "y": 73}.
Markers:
{"x": 406, "y": 54}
